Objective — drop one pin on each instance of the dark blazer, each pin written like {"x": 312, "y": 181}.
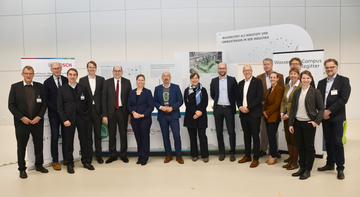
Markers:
{"x": 68, "y": 106}
{"x": 262, "y": 77}
{"x": 336, "y": 103}
{"x": 18, "y": 105}
{"x": 232, "y": 91}
{"x": 175, "y": 100}
{"x": 109, "y": 96}
{"x": 145, "y": 104}
{"x": 51, "y": 91}
{"x": 254, "y": 97}
{"x": 312, "y": 81}
{"x": 314, "y": 105}
{"x": 272, "y": 107}
{"x": 98, "y": 91}
{"x": 191, "y": 108}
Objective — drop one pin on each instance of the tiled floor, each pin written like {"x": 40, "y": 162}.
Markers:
{"x": 191, "y": 179}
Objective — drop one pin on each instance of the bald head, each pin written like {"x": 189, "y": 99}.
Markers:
{"x": 247, "y": 71}
{"x": 117, "y": 72}
{"x": 166, "y": 77}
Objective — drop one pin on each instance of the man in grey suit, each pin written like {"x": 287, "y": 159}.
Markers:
{"x": 94, "y": 84}
{"x": 114, "y": 110}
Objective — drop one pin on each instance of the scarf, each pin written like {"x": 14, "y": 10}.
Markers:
{"x": 198, "y": 93}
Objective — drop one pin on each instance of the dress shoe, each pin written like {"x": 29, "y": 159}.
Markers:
{"x": 143, "y": 163}
{"x": 305, "y": 175}
{"x": 326, "y": 168}
{"x": 278, "y": 155}
{"x": 287, "y": 160}
{"x": 244, "y": 159}
{"x": 42, "y": 169}
{"x": 168, "y": 159}
{"x": 138, "y": 162}
{"x": 292, "y": 166}
{"x": 70, "y": 169}
{"x": 99, "y": 160}
{"x": 124, "y": 159}
{"x": 262, "y": 153}
{"x": 254, "y": 163}
{"x": 299, "y": 172}
{"x": 56, "y": 166}
{"x": 180, "y": 160}
{"x": 340, "y": 175}
{"x": 221, "y": 157}
{"x": 206, "y": 159}
{"x": 89, "y": 166}
{"x": 65, "y": 163}
{"x": 195, "y": 159}
{"x": 286, "y": 165}
{"x": 23, "y": 174}
{"x": 272, "y": 161}
{"x": 111, "y": 159}
{"x": 232, "y": 158}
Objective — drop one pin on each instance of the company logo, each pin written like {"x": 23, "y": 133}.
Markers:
{"x": 61, "y": 64}
{"x": 104, "y": 131}
{"x": 153, "y": 131}
{"x": 130, "y": 130}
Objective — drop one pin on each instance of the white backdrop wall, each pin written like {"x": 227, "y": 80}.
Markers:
{"x": 121, "y": 30}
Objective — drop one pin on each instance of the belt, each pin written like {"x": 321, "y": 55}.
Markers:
{"x": 224, "y": 105}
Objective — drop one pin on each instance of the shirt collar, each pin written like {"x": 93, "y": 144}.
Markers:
{"x": 224, "y": 78}
{"x": 32, "y": 83}
{"x": 249, "y": 79}
{"x": 168, "y": 86}
{"x": 55, "y": 78}
{"x": 332, "y": 79}
{"x": 296, "y": 84}
{"x": 91, "y": 78}
{"x": 73, "y": 87}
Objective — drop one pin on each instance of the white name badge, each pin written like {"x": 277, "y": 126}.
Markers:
{"x": 38, "y": 100}
{"x": 334, "y": 92}
{"x": 82, "y": 97}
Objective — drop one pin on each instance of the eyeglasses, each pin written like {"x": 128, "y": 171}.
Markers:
{"x": 28, "y": 74}
{"x": 330, "y": 67}
{"x": 117, "y": 71}
{"x": 221, "y": 68}
{"x": 294, "y": 64}
{"x": 247, "y": 71}
{"x": 57, "y": 68}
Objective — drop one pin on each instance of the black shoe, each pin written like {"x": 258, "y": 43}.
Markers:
{"x": 42, "y": 169}
{"x": 23, "y": 174}
{"x": 139, "y": 162}
{"x": 262, "y": 153}
{"x": 232, "y": 158}
{"x": 222, "y": 157}
{"x": 305, "y": 175}
{"x": 89, "y": 166}
{"x": 70, "y": 169}
{"x": 287, "y": 160}
{"x": 299, "y": 172}
{"x": 124, "y": 159}
{"x": 278, "y": 155}
{"x": 326, "y": 167}
{"x": 143, "y": 163}
{"x": 99, "y": 160}
{"x": 111, "y": 159}
{"x": 340, "y": 175}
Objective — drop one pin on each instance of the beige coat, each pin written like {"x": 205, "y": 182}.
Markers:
{"x": 285, "y": 103}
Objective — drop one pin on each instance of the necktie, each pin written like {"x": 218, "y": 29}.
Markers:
{"x": 58, "y": 82}
{"x": 117, "y": 95}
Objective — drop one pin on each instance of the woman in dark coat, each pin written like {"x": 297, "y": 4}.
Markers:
{"x": 196, "y": 101}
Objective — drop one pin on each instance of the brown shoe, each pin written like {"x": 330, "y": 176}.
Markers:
{"x": 254, "y": 164}
{"x": 272, "y": 160}
{"x": 167, "y": 159}
{"x": 180, "y": 160}
{"x": 65, "y": 163}
{"x": 244, "y": 159}
{"x": 56, "y": 166}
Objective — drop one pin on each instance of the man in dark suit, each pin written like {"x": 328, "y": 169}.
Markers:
{"x": 114, "y": 110}
{"x": 94, "y": 84}
{"x": 52, "y": 84}
{"x": 264, "y": 77}
{"x": 168, "y": 100}
{"x": 27, "y": 102}
{"x": 296, "y": 62}
{"x": 74, "y": 105}
{"x": 335, "y": 90}
{"x": 249, "y": 103}
{"x": 223, "y": 90}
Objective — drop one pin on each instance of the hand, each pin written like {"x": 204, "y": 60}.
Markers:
{"x": 284, "y": 117}
{"x": 313, "y": 123}
{"x": 136, "y": 115}
{"x": 244, "y": 109}
{"x": 327, "y": 112}
{"x": 169, "y": 109}
{"x": 291, "y": 129}
{"x": 198, "y": 113}
{"x": 164, "y": 109}
{"x": 67, "y": 123}
{"x": 195, "y": 117}
{"x": 105, "y": 120}
{"x": 266, "y": 116}
{"x": 35, "y": 120}
{"x": 25, "y": 120}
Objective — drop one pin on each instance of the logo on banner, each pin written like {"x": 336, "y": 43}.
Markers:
{"x": 104, "y": 131}
{"x": 61, "y": 64}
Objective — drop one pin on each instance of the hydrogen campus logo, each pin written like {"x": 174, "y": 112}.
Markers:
{"x": 104, "y": 131}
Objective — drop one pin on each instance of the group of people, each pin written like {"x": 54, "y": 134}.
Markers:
{"x": 263, "y": 101}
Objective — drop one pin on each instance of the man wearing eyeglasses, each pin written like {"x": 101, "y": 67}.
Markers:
{"x": 335, "y": 90}
{"x": 297, "y": 63}
{"x": 27, "y": 102}
{"x": 114, "y": 110}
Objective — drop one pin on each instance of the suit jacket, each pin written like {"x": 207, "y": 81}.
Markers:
{"x": 144, "y": 105}
{"x": 263, "y": 79}
{"x": 68, "y": 106}
{"x": 312, "y": 81}
{"x": 98, "y": 91}
{"x": 51, "y": 91}
{"x": 175, "y": 100}
{"x": 336, "y": 103}
{"x": 286, "y": 103}
{"x": 109, "y": 96}
{"x": 272, "y": 107}
{"x": 191, "y": 108}
{"x": 18, "y": 106}
{"x": 314, "y": 105}
{"x": 254, "y": 97}
{"x": 231, "y": 88}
